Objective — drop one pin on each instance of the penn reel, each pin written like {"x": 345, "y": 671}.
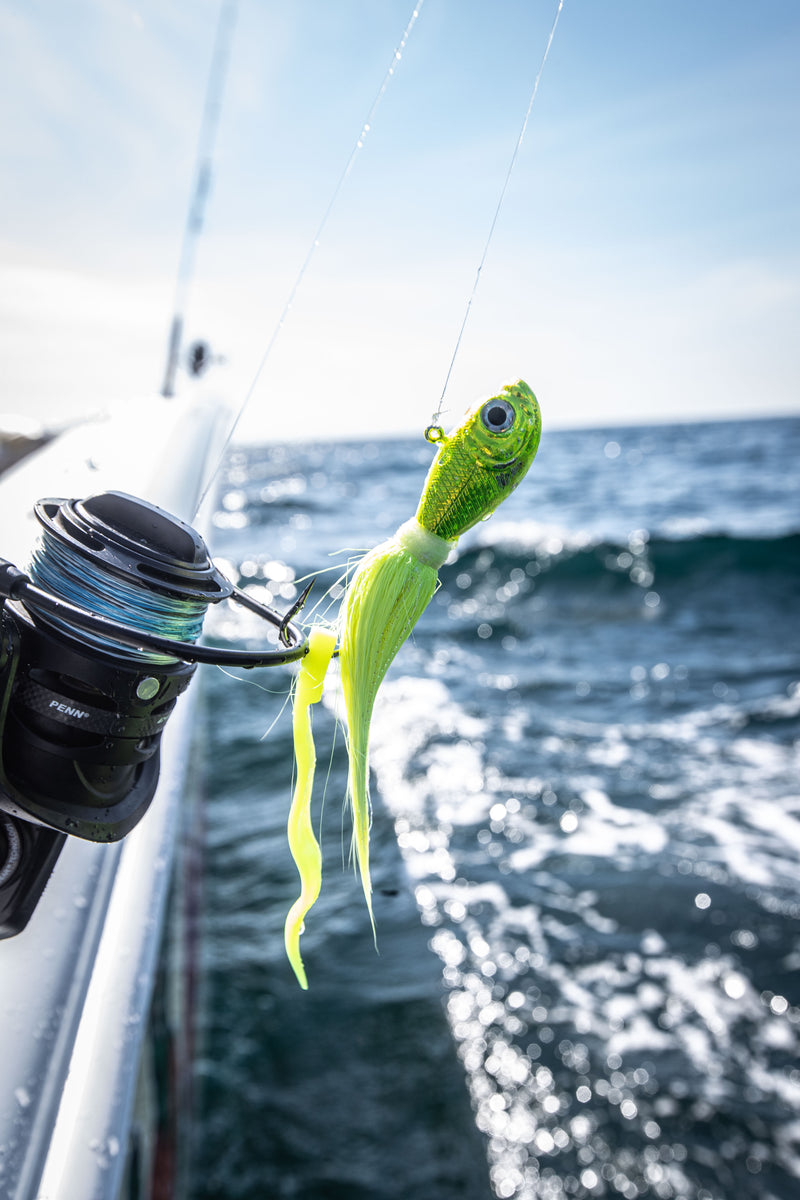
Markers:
{"x": 97, "y": 642}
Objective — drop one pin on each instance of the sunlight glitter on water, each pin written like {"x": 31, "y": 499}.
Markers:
{"x": 568, "y": 1042}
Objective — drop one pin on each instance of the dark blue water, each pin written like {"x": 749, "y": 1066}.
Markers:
{"x": 587, "y": 840}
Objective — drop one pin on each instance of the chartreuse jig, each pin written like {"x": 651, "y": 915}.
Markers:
{"x": 475, "y": 468}
{"x": 302, "y": 842}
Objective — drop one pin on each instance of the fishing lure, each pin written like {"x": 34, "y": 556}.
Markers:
{"x": 475, "y": 468}
{"x": 302, "y": 842}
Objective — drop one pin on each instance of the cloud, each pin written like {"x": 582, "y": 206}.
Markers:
{"x": 71, "y": 343}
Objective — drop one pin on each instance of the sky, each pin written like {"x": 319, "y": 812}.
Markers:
{"x": 645, "y": 264}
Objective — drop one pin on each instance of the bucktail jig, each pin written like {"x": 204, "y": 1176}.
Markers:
{"x": 475, "y": 468}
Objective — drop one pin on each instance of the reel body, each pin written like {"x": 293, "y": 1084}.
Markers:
{"x": 80, "y": 744}
{"x": 95, "y": 649}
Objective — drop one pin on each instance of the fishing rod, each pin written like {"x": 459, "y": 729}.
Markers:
{"x": 195, "y": 217}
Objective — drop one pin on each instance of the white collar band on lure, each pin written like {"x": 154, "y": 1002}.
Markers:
{"x": 428, "y": 548}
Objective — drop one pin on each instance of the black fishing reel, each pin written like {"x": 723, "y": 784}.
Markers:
{"x": 85, "y": 695}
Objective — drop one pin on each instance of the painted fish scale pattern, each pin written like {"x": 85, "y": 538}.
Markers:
{"x": 460, "y": 491}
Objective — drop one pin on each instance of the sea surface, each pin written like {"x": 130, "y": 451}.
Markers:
{"x": 586, "y": 838}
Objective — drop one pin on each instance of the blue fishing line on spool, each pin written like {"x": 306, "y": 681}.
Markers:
{"x": 59, "y": 569}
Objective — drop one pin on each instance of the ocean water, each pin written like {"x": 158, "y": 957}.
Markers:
{"x": 586, "y": 838}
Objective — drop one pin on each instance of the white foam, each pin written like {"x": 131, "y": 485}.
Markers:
{"x": 724, "y": 812}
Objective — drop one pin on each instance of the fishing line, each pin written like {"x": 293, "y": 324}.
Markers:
{"x": 359, "y": 145}
{"x": 61, "y": 570}
{"x": 434, "y": 431}
{"x": 124, "y": 577}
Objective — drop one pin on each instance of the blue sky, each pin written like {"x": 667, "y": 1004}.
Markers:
{"x": 646, "y": 264}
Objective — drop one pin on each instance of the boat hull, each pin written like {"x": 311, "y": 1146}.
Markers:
{"x": 76, "y": 985}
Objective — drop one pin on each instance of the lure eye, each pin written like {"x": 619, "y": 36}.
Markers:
{"x": 498, "y": 416}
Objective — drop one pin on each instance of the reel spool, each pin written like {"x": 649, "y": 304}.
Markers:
{"x": 96, "y": 645}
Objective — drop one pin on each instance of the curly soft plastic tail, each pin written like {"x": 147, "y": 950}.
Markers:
{"x": 390, "y": 590}
{"x": 302, "y": 841}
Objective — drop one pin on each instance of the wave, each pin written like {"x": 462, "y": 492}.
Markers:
{"x": 577, "y": 558}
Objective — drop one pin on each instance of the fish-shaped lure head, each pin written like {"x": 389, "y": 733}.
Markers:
{"x": 481, "y": 462}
